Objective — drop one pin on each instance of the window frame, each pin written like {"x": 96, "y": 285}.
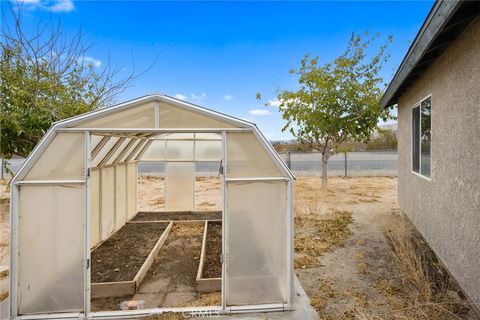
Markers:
{"x": 419, "y": 105}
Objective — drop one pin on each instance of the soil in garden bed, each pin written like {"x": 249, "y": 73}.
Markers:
{"x": 178, "y": 259}
{"x": 212, "y": 268}
{"x": 175, "y": 216}
{"x": 174, "y": 270}
{"x": 120, "y": 257}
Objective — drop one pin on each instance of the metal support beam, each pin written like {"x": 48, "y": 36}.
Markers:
{"x": 111, "y": 152}
{"x": 152, "y": 130}
{"x": 49, "y": 182}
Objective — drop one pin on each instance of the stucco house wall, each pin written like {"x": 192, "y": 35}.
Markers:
{"x": 446, "y": 209}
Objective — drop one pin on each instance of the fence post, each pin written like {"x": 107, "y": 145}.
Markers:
{"x": 345, "y": 153}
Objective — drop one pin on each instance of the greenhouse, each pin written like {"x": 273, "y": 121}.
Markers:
{"x": 149, "y": 206}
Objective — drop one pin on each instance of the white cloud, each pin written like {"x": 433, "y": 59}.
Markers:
{"x": 274, "y": 103}
{"x": 50, "y": 5}
{"x": 61, "y": 6}
{"x": 90, "y": 60}
{"x": 260, "y": 112}
{"x": 201, "y": 96}
{"x": 227, "y": 97}
{"x": 180, "y": 96}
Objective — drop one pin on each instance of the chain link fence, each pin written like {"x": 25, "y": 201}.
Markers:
{"x": 349, "y": 164}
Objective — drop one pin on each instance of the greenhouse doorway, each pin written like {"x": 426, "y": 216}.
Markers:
{"x": 168, "y": 253}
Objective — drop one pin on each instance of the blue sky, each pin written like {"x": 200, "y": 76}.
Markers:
{"x": 219, "y": 54}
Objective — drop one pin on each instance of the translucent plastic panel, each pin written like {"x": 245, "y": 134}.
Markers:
{"x": 180, "y": 183}
{"x": 178, "y": 136}
{"x": 135, "y": 152}
{"x": 132, "y": 189}
{"x": 118, "y": 151}
{"x": 179, "y": 150}
{"x": 95, "y": 210}
{"x": 107, "y": 213}
{"x": 134, "y": 117}
{"x": 64, "y": 159}
{"x": 95, "y": 140}
{"x": 178, "y": 117}
{"x": 208, "y": 150}
{"x": 130, "y": 150}
{"x": 103, "y": 152}
{"x": 247, "y": 158}
{"x": 120, "y": 195}
{"x": 156, "y": 151}
{"x": 51, "y": 242}
{"x": 256, "y": 243}
{"x": 208, "y": 136}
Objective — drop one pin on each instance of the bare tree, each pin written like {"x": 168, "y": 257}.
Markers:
{"x": 47, "y": 75}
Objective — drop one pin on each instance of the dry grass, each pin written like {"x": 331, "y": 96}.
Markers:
{"x": 423, "y": 289}
{"x": 324, "y": 234}
{"x": 206, "y": 299}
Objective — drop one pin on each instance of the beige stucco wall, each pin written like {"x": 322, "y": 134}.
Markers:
{"x": 446, "y": 210}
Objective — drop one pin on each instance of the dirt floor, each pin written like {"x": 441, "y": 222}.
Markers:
{"x": 151, "y": 193}
{"x": 175, "y": 216}
{"x": 343, "y": 258}
{"x": 345, "y": 262}
{"x": 171, "y": 280}
{"x": 120, "y": 257}
{"x": 172, "y": 276}
{"x": 212, "y": 268}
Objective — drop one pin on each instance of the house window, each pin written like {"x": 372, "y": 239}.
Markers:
{"x": 421, "y": 137}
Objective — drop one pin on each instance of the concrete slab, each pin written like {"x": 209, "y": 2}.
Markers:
{"x": 176, "y": 299}
{"x": 152, "y": 300}
{"x": 159, "y": 285}
{"x": 303, "y": 310}
{"x": 185, "y": 288}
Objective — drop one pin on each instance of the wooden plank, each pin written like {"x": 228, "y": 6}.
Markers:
{"x": 202, "y": 252}
{"x": 3, "y": 272}
{"x": 206, "y": 284}
{"x": 176, "y": 221}
{"x": 209, "y": 285}
{"x": 112, "y": 289}
{"x": 148, "y": 262}
{"x": 189, "y": 212}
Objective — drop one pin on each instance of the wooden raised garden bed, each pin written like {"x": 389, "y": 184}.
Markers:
{"x": 209, "y": 275}
{"x": 120, "y": 263}
{"x": 178, "y": 216}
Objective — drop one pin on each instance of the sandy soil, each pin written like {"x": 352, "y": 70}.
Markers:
{"x": 151, "y": 193}
{"x": 346, "y": 277}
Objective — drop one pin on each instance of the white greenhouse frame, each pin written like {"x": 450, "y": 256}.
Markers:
{"x": 136, "y": 148}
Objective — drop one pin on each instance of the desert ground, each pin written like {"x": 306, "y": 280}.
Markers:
{"x": 356, "y": 256}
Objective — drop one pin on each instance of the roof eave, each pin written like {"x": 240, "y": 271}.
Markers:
{"x": 439, "y": 15}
